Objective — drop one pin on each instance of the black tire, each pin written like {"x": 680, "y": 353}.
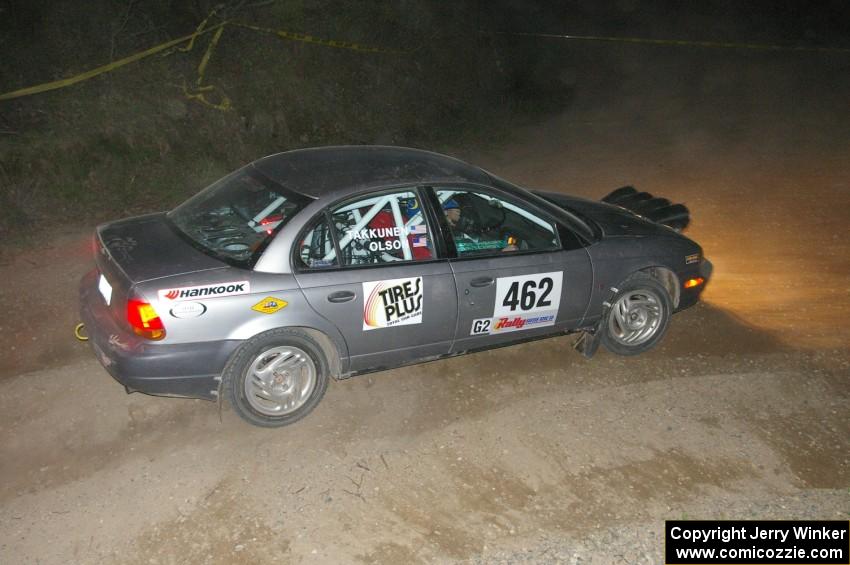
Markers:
{"x": 269, "y": 345}
{"x": 638, "y": 317}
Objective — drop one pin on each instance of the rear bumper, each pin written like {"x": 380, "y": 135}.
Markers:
{"x": 188, "y": 370}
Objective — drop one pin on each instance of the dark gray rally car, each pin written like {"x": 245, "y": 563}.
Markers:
{"x": 325, "y": 263}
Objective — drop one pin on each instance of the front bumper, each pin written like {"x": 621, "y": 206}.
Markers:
{"x": 186, "y": 369}
{"x": 690, "y": 296}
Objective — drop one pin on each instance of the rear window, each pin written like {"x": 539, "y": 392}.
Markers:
{"x": 235, "y": 218}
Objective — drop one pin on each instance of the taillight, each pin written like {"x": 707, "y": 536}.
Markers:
{"x": 690, "y": 283}
{"x": 144, "y": 320}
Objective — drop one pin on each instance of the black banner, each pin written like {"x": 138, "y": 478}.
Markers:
{"x": 744, "y": 542}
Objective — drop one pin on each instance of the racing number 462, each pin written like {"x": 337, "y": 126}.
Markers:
{"x": 527, "y": 297}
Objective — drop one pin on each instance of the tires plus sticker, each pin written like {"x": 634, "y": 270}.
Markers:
{"x": 396, "y": 302}
{"x": 205, "y": 291}
{"x": 269, "y": 305}
{"x": 523, "y": 302}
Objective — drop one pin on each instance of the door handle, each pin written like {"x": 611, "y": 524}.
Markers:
{"x": 341, "y": 296}
{"x": 482, "y": 281}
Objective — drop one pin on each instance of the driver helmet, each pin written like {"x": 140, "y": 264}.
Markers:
{"x": 412, "y": 208}
{"x": 450, "y": 203}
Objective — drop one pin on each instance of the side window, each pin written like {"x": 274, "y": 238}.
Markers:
{"x": 386, "y": 228}
{"x": 316, "y": 250}
{"x": 484, "y": 224}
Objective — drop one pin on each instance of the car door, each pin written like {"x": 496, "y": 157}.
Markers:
{"x": 369, "y": 265}
{"x": 518, "y": 274}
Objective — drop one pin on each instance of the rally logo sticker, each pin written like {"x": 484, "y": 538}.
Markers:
{"x": 694, "y": 258}
{"x": 503, "y": 324}
{"x": 269, "y": 305}
{"x": 205, "y": 291}
{"x": 188, "y": 310}
{"x": 523, "y": 302}
{"x": 396, "y": 302}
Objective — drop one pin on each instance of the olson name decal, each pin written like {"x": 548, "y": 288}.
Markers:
{"x": 396, "y": 302}
{"x": 205, "y": 291}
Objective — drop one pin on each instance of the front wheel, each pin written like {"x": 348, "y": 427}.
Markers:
{"x": 638, "y": 318}
{"x": 276, "y": 378}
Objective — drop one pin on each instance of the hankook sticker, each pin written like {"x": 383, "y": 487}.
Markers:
{"x": 396, "y": 302}
{"x": 205, "y": 291}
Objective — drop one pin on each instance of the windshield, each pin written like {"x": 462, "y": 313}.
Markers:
{"x": 236, "y": 217}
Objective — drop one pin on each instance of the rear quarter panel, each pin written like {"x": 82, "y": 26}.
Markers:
{"x": 237, "y": 317}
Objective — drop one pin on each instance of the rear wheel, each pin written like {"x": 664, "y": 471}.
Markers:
{"x": 639, "y": 315}
{"x": 276, "y": 378}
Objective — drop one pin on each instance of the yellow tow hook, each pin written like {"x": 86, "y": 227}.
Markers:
{"x": 78, "y": 332}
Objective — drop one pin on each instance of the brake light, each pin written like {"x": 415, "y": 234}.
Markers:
{"x": 690, "y": 283}
{"x": 144, "y": 320}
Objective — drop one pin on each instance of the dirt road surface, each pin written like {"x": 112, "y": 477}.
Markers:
{"x": 528, "y": 454}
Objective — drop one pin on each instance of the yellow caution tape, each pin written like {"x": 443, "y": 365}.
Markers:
{"x": 200, "y": 88}
{"x": 199, "y": 93}
{"x": 62, "y": 83}
{"x": 681, "y": 42}
{"x": 198, "y": 31}
{"x": 293, "y": 36}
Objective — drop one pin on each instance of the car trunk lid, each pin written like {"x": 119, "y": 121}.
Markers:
{"x": 146, "y": 248}
{"x": 135, "y": 250}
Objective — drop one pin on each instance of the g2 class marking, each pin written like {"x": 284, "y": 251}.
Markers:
{"x": 207, "y": 290}
{"x": 504, "y": 324}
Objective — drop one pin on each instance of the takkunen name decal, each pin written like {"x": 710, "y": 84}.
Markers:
{"x": 389, "y": 239}
{"x": 269, "y": 305}
{"x": 205, "y": 291}
{"x": 522, "y": 302}
{"x": 396, "y": 302}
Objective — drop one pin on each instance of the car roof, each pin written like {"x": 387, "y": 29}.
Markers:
{"x": 322, "y": 171}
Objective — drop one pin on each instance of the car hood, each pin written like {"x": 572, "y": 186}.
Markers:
{"x": 614, "y": 221}
{"x": 147, "y": 247}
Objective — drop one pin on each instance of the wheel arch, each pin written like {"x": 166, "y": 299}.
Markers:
{"x": 331, "y": 351}
{"x": 668, "y": 280}
{"x": 331, "y": 348}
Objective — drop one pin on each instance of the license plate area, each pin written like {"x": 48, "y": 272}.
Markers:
{"x": 105, "y": 289}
